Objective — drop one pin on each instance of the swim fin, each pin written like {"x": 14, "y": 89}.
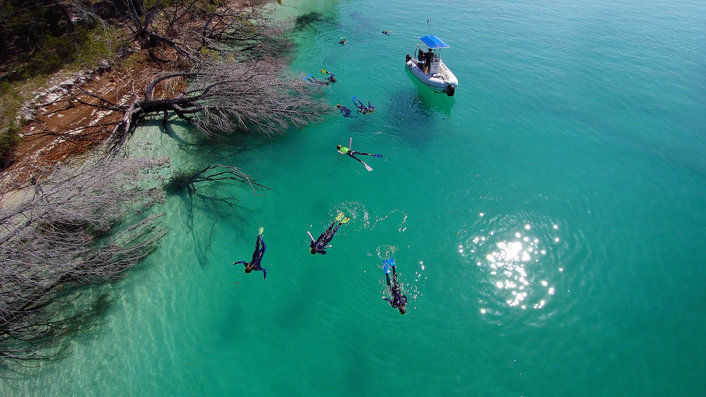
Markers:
{"x": 346, "y": 220}
{"x": 389, "y": 262}
{"x": 386, "y": 268}
{"x": 339, "y": 216}
{"x": 262, "y": 230}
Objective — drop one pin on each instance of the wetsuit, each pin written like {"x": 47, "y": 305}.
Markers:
{"x": 398, "y": 300}
{"x": 360, "y": 106}
{"x": 254, "y": 263}
{"x": 317, "y": 81}
{"x": 352, "y": 153}
{"x": 321, "y": 243}
{"x": 342, "y": 109}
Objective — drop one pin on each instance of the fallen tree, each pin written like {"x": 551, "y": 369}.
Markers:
{"x": 224, "y": 97}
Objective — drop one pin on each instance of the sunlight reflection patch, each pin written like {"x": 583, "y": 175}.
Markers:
{"x": 514, "y": 269}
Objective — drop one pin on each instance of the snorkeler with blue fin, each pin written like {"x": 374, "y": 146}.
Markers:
{"x": 254, "y": 263}
{"x": 397, "y": 300}
{"x": 329, "y": 80}
{"x": 361, "y": 107}
{"x": 322, "y": 243}
{"x": 347, "y": 151}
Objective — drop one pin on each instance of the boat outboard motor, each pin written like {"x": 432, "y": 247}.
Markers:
{"x": 450, "y": 90}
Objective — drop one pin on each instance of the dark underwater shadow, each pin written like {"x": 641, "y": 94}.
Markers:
{"x": 415, "y": 111}
{"x": 312, "y": 20}
{"x": 431, "y": 102}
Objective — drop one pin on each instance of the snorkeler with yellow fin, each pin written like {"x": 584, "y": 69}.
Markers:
{"x": 322, "y": 243}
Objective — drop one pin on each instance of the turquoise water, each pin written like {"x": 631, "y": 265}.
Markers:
{"x": 546, "y": 221}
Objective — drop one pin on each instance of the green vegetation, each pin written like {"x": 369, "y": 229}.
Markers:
{"x": 81, "y": 49}
{"x": 10, "y": 103}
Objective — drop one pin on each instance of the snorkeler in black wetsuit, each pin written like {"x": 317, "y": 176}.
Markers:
{"x": 342, "y": 109}
{"x": 321, "y": 244}
{"x": 314, "y": 80}
{"x": 331, "y": 77}
{"x": 398, "y": 300}
{"x": 254, "y": 263}
{"x": 361, "y": 107}
{"x": 329, "y": 80}
{"x": 347, "y": 151}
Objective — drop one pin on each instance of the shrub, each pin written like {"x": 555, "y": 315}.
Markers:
{"x": 10, "y": 102}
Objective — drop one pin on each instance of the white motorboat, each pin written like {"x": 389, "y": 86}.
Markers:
{"x": 428, "y": 67}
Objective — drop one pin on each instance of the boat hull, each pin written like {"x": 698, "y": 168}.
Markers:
{"x": 444, "y": 81}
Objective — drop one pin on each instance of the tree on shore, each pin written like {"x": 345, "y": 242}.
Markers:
{"x": 230, "y": 64}
{"x": 65, "y": 232}
{"x": 226, "y": 97}
{"x": 77, "y": 228}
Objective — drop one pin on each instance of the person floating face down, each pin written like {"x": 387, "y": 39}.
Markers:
{"x": 331, "y": 77}
{"x": 397, "y": 300}
{"x": 361, "y": 107}
{"x": 314, "y": 80}
{"x": 321, "y": 244}
{"x": 254, "y": 263}
{"x": 342, "y": 109}
{"x": 329, "y": 80}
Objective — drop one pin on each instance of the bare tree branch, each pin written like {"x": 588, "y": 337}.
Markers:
{"x": 69, "y": 231}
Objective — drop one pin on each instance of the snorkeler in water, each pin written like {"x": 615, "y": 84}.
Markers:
{"x": 331, "y": 77}
{"x": 397, "y": 300}
{"x": 314, "y": 80}
{"x": 361, "y": 107}
{"x": 254, "y": 263}
{"x": 342, "y": 109}
{"x": 322, "y": 243}
{"x": 329, "y": 80}
{"x": 343, "y": 41}
{"x": 347, "y": 151}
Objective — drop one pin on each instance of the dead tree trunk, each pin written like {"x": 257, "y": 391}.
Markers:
{"x": 226, "y": 97}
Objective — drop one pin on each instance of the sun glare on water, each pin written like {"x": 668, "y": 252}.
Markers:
{"x": 516, "y": 269}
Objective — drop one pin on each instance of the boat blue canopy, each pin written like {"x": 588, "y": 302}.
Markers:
{"x": 433, "y": 42}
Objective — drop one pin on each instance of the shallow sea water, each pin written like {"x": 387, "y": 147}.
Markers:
{"x": 546, "y": 221}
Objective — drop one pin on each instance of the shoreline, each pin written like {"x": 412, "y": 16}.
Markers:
{"x": 55, "y": 133}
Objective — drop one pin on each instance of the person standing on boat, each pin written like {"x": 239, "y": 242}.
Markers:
{"x": 322, "y": 243}
{"x": 254, "y": 263}
{"x": 427, "y": 61}
{"x": 397, "y": 300}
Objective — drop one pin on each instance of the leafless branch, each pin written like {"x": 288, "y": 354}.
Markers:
{"x": 69, "y": 231}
